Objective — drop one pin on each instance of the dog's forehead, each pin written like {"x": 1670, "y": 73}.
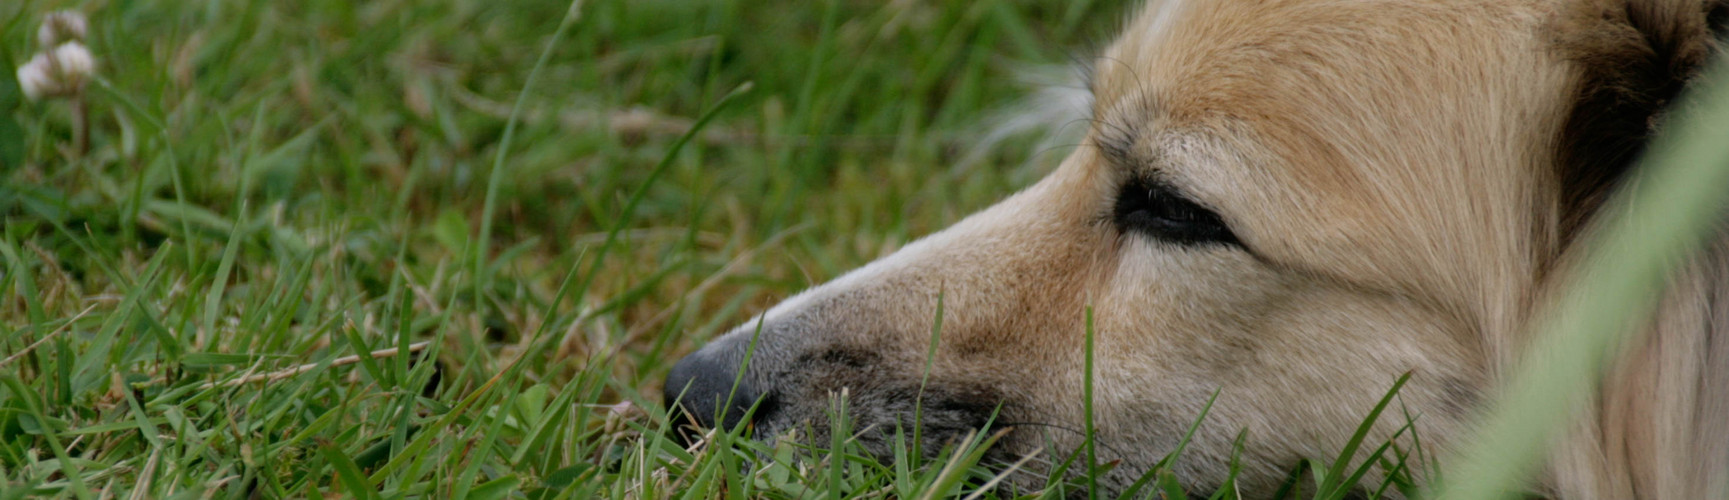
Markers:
{"x": 1288, "y": 77}
{"x": 1335, "y": 112}
{"x": 1197, "y": 62}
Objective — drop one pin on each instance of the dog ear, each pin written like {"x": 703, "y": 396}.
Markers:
{"x": 1636, "y": 57}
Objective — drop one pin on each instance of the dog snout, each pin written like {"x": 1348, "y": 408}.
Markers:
{"x": 705, "y": 388}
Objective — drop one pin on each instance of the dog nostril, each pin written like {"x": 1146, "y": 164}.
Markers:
{"x": 699, "y": 391}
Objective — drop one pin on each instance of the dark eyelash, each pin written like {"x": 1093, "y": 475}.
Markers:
{"x": 1156, "y": 209}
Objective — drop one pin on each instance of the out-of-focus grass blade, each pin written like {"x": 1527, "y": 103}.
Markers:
{"x": 11, "y": 96}
{"x": 1674, "y": 205}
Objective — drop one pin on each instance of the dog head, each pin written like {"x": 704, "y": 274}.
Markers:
{"x": 1290, "y": 203}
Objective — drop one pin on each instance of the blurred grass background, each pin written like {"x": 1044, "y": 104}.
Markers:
{"x": 271, "y": 184}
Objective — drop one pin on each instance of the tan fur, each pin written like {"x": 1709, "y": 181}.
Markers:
{"x": 1391, "y": 170}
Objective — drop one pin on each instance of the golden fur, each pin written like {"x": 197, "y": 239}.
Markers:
{"x": 1405, "y": 179}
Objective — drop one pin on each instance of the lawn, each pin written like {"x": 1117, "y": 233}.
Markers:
{"x": 209, "y": 255}
{"x": 450, "y": 248}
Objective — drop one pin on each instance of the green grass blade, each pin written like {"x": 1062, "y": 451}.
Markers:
{"x": 925, "y": 376}
{"x": 349, "y": 473}
{"x": 497, "y": 489}
{"x": 956, "y": 469}
{"x": 641, "y": 192}
{"x": 1087, "y": 410}
{"x": 490, "y": 206}
{"x": 219, "y": 283}
{"x": 1331, "y": 483}
{"x": 1171, "y": 458}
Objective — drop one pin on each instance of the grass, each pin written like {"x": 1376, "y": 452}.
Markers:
{"x": 309, "y": 252}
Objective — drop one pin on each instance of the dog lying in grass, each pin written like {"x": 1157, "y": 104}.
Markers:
{"x": 1288, "y": 203}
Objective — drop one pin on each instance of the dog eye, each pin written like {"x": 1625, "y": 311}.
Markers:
{"x": 1156, "y": 209}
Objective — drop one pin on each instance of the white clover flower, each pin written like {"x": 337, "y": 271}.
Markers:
{"x": 62, "y": 26}
{"x": 75, "y": 61}
{"x": 34, "y": 79}
{"x": 56, "y": 73}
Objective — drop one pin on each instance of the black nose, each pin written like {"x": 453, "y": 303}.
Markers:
{"x": 704, "y": 388}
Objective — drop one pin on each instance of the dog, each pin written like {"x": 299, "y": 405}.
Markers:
{"x": 1290, "y": 203}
